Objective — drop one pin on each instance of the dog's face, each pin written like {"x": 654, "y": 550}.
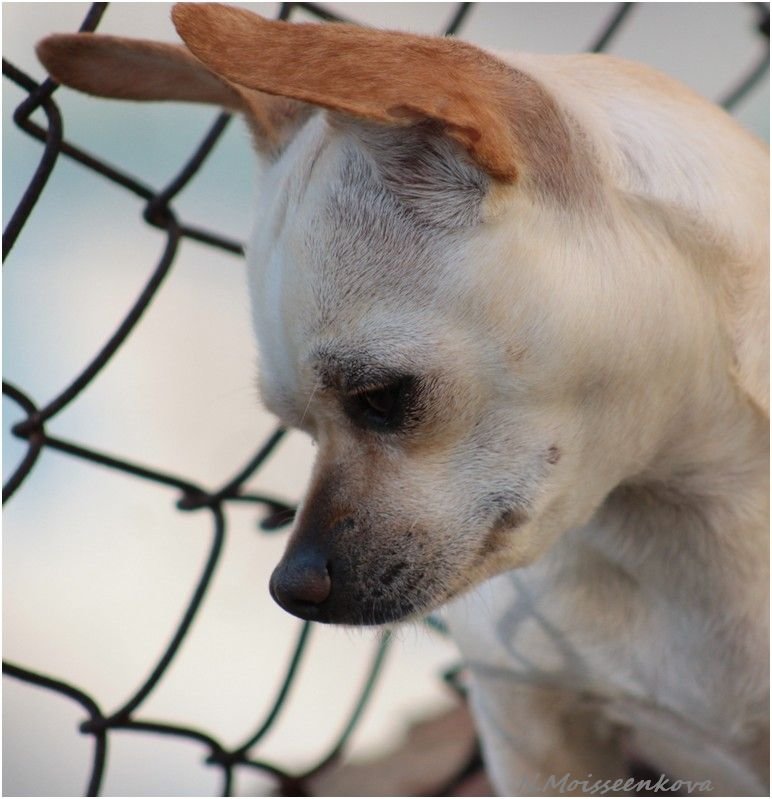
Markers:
{"x": 376, "y": 339}
{"x": 480, "y": 331}
{"x": 444, "y": 342}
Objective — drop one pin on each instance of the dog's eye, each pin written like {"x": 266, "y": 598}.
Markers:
{"x": 379, "y": 408}
{"x": 380, "y": 403}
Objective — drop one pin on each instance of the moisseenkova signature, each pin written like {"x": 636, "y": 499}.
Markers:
{"x": 567, "y": 783}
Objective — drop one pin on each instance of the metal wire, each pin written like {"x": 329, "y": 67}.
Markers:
{"x": 759, "y": 68}
{"x": 191, "y": 495}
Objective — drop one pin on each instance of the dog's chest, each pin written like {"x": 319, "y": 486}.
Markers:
{"x": 594, "y": 638}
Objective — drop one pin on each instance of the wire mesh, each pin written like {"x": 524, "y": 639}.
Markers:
{"x": 192, "y": 496}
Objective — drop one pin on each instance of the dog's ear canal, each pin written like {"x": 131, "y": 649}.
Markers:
{"x": 502, "y": 118}
{"x": 135, "y": 69}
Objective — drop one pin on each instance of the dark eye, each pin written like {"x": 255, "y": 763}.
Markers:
{"x": 381, "y": 408}
{"x": 381, "y": 402}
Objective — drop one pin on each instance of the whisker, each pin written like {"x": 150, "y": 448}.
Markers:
{"x": 310, "y": 400}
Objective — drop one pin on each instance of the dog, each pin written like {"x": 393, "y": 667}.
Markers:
{"x": 520, "y": 302}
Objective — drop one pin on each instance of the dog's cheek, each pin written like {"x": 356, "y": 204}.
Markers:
{"x": 412, "y": 553}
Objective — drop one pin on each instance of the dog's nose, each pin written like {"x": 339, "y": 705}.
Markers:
{"x": 301, "y": 583}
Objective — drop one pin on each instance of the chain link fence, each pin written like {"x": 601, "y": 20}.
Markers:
{"x": 191, "y": 496}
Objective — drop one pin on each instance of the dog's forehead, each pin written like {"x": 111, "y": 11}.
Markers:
{"x": 367, "y": 247}
{"x": 347, "y": 274}
{"x": 343, "y": 260}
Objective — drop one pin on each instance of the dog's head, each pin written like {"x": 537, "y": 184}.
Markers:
{"x": 449, "y": 296}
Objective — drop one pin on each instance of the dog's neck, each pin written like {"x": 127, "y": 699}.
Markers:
{"x": 699, "y": 512}
{"x": 715, "y": 450}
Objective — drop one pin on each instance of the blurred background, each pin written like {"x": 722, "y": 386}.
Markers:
{"x": 99, "y": 566}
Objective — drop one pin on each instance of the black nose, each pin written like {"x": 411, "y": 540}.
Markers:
{"x": 300, "y": 583}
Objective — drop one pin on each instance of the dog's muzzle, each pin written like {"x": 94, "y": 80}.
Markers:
{"x": 316, "y": 585}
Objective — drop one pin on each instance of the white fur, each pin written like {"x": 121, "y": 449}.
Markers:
{"x": 582, "y": 357}
{"x": 637, "y": 619}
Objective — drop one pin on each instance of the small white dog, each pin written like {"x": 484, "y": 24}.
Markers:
{"x": 521, "y": 304}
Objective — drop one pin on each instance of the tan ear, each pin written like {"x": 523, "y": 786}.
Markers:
{"x": 391, "y": 78}
{"x": 134, "y": 69}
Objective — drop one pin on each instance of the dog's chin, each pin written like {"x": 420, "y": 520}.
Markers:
{"x": 363, "y": 611}
{"x": 363, "y": 616}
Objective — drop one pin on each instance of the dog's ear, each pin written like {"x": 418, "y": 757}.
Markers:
{"x": 507, "y": 123}
{"x": 134, "y": 69}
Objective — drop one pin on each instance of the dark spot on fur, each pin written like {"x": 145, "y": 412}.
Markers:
{"x": 509, "y": 518}
{"x": 414, "y": 583}
{"x": 505, "y": 509}
{"x": 491, "y": 543}
{"x": 388, "y": 577}
{"x": 553, "y": 454}
{"x": 342, "y": 526}
{"x": 510, "y": 515}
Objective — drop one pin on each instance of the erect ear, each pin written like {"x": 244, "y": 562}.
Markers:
{"x": 134, "y": 69}
{"x": 506, "y": 122}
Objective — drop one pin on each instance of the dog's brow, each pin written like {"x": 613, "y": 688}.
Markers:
{"x": 351, "y": 371}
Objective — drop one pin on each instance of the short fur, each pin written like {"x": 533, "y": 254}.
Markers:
{"x": 562, "y": 262}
